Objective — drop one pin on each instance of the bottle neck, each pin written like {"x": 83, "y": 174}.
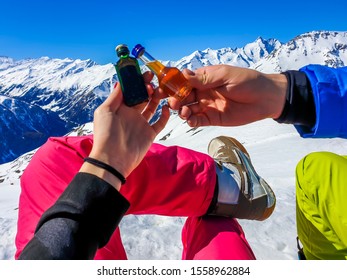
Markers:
{"x": 151, "y": 62}
{"x": 122, "y": 56}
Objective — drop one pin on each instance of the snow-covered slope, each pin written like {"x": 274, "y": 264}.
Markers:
{"x": 317, "y": 47}
{"x": 66, "y": 90}
{"x": 64, "y": 86}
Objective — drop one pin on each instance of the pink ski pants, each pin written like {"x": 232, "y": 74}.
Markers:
{"x": 171, "y": 181}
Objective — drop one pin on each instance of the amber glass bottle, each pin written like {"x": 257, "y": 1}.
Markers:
{"x": 170, "y": 79}
{"x": 130, "y": 77}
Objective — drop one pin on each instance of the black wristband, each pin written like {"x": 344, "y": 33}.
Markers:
{"x": 107, "y": 167}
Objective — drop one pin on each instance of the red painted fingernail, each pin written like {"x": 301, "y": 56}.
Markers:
{"x": 115, "y": 85}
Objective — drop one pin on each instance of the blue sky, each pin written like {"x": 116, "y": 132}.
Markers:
{"x": 168, "y": 29}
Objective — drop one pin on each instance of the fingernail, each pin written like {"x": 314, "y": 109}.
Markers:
{"x": 115, "y": 85}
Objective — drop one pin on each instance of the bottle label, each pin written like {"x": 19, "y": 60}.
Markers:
{"x": 133, "y": 86}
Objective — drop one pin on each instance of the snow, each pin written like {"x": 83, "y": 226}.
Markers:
{"x": 275, "y": 150}
{"x": 56, "y": 74}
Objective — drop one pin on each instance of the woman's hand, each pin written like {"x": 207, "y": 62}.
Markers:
{"x": 122, "y": 135}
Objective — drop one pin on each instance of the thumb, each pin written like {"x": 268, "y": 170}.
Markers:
{"x": 205, "y": 77}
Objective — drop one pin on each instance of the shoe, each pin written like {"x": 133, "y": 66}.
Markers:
{"x": 242, "y": 193}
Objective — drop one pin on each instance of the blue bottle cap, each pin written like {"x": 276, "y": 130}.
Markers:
{"x": 137, "y": 50}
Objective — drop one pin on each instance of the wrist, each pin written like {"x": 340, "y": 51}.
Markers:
{"x": 102, "y": 174}
{"x": 113, "y": 161}
{"x": 276, "y": 93}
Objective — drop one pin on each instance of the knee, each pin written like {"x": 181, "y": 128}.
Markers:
{"x": 320, "y": 168}
{"x": 317, "y": 162}
{"x": 59, "y": 156}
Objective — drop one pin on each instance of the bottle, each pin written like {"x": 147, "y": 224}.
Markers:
{"x": 130, "y": 77}
{"x": 171, "y": 80}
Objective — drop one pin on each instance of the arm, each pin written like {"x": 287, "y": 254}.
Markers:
{"x": 86, "y": 214}
{"x": 314, "y": 99}
{"x": 81, "y": 221}
{"x": 329, "y": 88}
{"x": 224, "y": 95}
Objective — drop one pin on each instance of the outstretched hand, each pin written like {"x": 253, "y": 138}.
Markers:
{"x": 122, "y": 134}
{"x": 229, "y": 96}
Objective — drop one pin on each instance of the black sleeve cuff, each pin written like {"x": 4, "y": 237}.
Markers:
{"x": 94, "y": 204}
{"x": 299, "y": 108}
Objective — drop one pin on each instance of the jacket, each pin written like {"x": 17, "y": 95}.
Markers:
{"x": 329, "y": 89}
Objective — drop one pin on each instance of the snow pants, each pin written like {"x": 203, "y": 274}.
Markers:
{"x": 321, "y": 199}
{"x": 171, "y": 181}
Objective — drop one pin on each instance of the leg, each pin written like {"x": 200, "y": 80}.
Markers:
{"x": 169, "y": 178}
{"x": 113, "y": 250}
{"x": 242, "y": 193}
{"x": 214, "y": 238}
{"x": 321, "y": 205}
{"x": 171, "y": 181}
{"x": 45, "y": 178}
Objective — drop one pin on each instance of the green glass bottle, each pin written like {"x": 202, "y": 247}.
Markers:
{"x": 130, "y": 77}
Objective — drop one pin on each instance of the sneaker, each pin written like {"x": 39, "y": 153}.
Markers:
{"x": 242, "y": 193}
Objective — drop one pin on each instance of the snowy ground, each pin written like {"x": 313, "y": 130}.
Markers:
{"x": 275, "y": 150}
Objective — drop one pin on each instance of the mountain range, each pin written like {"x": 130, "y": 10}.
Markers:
{"x": 50, "y": 97}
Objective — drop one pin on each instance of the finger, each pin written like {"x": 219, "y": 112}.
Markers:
{"x": 150, "y": 89}
{"x": 188, "y": 72}
{"x": 193, "y": 121}
{"x": 151, "y": 108}
{"x": 164, "y": 118}
{"x": 176, "y": 104}
{"x": 115, "y": 99}
{"x": 185, "y": 112}
{"x": 198, "y": 120}
{"x": 160, "y": 93}
{"x": 148, "y": 76}
{"x": 206, "y": 77}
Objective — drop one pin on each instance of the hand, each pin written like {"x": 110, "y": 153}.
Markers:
{"x": 229, "y": 96}
{"x": 122, "y": 135}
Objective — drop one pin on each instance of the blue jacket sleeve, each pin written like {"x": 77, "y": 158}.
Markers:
{"x": 329, "y": 88}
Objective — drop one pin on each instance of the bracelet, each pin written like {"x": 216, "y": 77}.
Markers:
{"x": 106, "y": 167}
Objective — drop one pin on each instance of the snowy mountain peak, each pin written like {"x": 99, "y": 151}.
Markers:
{"x": 69, "y": 90}
{"x": 5, "y": 62}
{"x": 316, "y": 47}
{"x": 243, "y": 57}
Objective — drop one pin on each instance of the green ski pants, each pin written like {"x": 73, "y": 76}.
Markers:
{"x": 321, "y": 205}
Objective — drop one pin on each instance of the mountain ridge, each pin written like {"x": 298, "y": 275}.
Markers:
{"x": 68, "y": 91}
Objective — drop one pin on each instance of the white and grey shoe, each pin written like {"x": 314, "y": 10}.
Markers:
{"x": 242, "y": 193}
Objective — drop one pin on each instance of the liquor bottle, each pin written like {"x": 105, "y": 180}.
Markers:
{"x": 130, "y": 77}
{"x": 171, "y": 80}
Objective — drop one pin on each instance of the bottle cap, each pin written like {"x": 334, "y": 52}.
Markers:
{"x": 122, "y": 49}
{"x": 137, "y": 50}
